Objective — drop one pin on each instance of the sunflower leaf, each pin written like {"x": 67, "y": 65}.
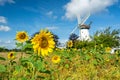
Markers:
{"x": 2, "y": 68}
{"x": 27, "y": 47}
{"x": 39, "y": 65}
{"x": 19, "y": 44}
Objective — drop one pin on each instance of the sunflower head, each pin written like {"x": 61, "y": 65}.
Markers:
{"x": 107, "y": 49}
{"x": 11, "y": 55}
{"x": 70, "y": 44}
{"x": 22, "y": 36}
{"x": 56, "y": 59}
{"x": 43, "y": 42}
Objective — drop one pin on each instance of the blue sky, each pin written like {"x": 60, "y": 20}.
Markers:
{"x": 33, "y": 15}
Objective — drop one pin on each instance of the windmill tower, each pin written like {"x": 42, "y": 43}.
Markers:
{"x": 83, "y": 29}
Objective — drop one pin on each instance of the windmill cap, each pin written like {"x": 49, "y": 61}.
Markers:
{"x": 85, "y": 26}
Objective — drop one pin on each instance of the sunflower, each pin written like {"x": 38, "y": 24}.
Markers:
{"x": 69, "y": 44}
{"x": 56, "y": 59}
{"x": 22, "y": 36}
{"x": 11, "y": 55}
{"x": 43, "y": 42}
{"x": 108, "y": 49}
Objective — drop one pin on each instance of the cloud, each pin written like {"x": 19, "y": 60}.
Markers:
{"x": 4, "y": 28}
{"x": 78, "y": 8}
{"x": 3, "y": 19}
{"x": 32, "y": 9}
{"x": 7, "y": 44}
{"x": 52, "y": 28}
{"x": 3, "y": 2}
{"x": 50, "y": 14}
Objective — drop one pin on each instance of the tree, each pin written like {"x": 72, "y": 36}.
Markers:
{"x": 107, "y": 37}
{"x": 56, "y": 39}
{"x": 73, "y": 37}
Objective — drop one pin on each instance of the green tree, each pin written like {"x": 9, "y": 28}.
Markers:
{"x": 107, "y": 37}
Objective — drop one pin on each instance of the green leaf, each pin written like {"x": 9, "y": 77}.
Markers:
{"x": 39, "y": 65}
{"x": 19, "y": 44}
{"x": 46, "y": 71}
{"x": 18, "y": 68}
{"x": 2, "y": 58}
{"x": 2, "y": 68}
{"x": 67, "y": 65}
{"x": 87, "y": 57}
{"x": 23, "y": 78}
{"x": 28, "y": 45}
{"x": 95, "y": 62}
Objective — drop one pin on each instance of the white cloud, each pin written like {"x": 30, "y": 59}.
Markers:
{"x": 3, "y": 19}
{"x": 3, "y": 2}
{"x": 4, "y": 28}
{"x": 51, "y": 15}
{"x": 7, "y": 44}
{"x": 81, "y": 7}
{"x": 52, "y": 28}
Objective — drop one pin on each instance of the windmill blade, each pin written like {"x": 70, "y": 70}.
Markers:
{"x": 85, "y": 18}
{"x": 82, "y": 22}
{"x": 74, "y": 29}
{"x": 79, "y": 20}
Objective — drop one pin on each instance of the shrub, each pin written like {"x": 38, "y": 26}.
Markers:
{"x": 107, "y": 37}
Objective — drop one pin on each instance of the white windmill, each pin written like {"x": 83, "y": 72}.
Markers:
{"x": 83, "y": 29}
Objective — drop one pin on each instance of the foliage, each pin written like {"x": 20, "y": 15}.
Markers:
{"x": 3, "y": 49}
{"x": 56, "y": 39}
{"x": 107, "y": 37}
{"x": 83, "y": 44}
{"x": 73, "y": 37}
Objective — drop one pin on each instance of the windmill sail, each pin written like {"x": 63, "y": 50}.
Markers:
{"x": 80, "y": 22}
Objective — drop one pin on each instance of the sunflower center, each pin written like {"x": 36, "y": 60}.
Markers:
{"x": 44, "y": 42}
{"x": 56, "y": 58}
{"x": 22, "y": 36}
{"x": 11, "y": 55}
{"x": 70, "y": 44}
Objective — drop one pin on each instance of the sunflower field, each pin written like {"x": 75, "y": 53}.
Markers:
{"x": 40, "y": 59}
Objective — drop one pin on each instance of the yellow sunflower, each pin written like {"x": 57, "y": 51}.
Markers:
{"x": 69, "y": 44}
{"x": 43, "y": 43}
{"x": 108, "y": 49}
{"x": 11, "y": 55}
{"x": 56, "y": 59}
{"x": 22, "y": 36}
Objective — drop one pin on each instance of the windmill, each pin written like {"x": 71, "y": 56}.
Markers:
{"x": 83, "y": 29}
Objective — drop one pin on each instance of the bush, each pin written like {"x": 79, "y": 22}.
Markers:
{"x": 107, "y": 38}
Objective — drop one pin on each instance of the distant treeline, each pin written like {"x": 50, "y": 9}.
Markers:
{"x": 3, "y": 49}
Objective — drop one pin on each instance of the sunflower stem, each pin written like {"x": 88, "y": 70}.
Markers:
{"x": 22, "y": 51}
